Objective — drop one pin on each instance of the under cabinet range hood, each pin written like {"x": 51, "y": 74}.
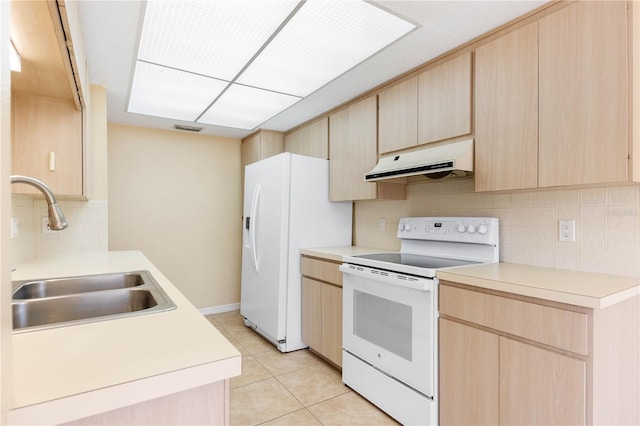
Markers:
{"x": 454, "y": 159}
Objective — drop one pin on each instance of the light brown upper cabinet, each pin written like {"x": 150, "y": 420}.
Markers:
{"x": 444, "y": 100}
{"x": 312, "y": 140}
{"x": 552, "y": 101}
{"x": 47, "y": 101}
{"x": 398, "y": 116}
{"x": 506, "y": 124}
{"x": 584, "y": 95}
{"x": 47, "y": 143}
{"x": 353, "y": 152}
{"x": 260, "y": 145}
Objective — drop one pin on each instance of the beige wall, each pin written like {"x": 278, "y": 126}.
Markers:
{"x": 176, "y": 197}
{"x": 97, "y": 144}
{"x": 607, "y": 222}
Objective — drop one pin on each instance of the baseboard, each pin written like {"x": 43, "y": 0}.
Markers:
{"x": 220, "y": 309}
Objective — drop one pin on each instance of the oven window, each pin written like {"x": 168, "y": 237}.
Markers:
{"x": 383, "y": 322}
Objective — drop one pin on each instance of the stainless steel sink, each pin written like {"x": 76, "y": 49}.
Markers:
{"x": 72, "y": 285}
{"x": 39, "y": 304}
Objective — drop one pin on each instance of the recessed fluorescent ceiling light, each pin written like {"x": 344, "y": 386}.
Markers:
{"x": 245, "y": 107}
{"x": 170, "y": 93}
{"x": 192, "y": 54}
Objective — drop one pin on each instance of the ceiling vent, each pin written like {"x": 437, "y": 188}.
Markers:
{"x": 188, "y": 128}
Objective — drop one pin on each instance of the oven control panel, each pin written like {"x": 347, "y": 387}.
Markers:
{"x": 480, "y": 230}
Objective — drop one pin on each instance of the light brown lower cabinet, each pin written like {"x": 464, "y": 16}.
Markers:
{"x": 322, "y": 308}
{"x": 204, "y": 405}
{"x": 539, "y": 386}
{"x": 469, "y": 375}
{"x": 514, "y": 360}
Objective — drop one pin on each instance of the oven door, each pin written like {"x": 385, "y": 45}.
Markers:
{"x": 388, "y": 322}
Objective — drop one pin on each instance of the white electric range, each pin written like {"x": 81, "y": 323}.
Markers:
{"x": 390, "y": 311}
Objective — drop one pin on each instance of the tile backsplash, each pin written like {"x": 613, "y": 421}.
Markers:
{"x": 607, "y": 222}
{"x": 87, "y": 231}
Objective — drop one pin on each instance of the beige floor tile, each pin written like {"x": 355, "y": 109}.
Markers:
{"x": 315, "y": 384}
{"x": 230, "y": 319}
{"x": 255, "y": 344}
{"x": 239, "y": 330}
{"x": 349, "y": 409}
{"x": 279, "y": 363}
{"x": 297, "y": 418}
{"x": 260, "y": 402}
{"x": 243, "y": 351}
{"x": 252, "y": 371}
{"x": 222, "y": 315}
{"x": 221, "y": 329}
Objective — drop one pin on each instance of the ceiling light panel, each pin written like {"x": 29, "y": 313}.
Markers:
{"x": 323, "y": 40}
{"x": 245, "y": 107}
{"x": 169, "y": 93}
{"x": 213, "y": 38}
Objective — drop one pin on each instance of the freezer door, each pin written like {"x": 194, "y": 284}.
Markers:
{"x": 264, "y": 245}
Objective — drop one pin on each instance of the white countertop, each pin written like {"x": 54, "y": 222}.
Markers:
{"x": 585, "y": 289}
{"x": 336, "y": 253}
{"x": 65, "y": 373}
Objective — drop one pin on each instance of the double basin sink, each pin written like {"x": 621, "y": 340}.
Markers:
{"x": 57, "y": 302}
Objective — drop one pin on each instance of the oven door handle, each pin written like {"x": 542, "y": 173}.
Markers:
{"x": 389, "y": 277}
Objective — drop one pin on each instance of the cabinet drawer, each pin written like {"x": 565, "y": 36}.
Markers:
{"x": 545, "y": 324}
{"x": 321, "y": 270}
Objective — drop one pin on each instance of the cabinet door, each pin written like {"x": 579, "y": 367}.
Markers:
{"x": 583, "y": 94}
{"x": 332, "y": 323}
{"x": 540, "y": 387}
{"x": 444, "y": 100}
{"x": 469, "y": 381}
{"x": 271, "y": 143}
{"x": 312, "y": 313}
{"x": 43, "y": 125}
{"x": 353, "y": 150}
{"x": 250, "y": 149}
{"x": 398, "y": 116}
{"x": 506, "y": 108}
{"x": 311, "y": 140}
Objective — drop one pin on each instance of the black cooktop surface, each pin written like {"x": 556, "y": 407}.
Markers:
{"x": 415, "y": 260}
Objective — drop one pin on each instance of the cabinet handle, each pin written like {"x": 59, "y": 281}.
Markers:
{"x": 52, "y": 161}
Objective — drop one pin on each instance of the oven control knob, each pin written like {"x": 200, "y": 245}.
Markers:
{"x": 482, "y": 229}
{"x": 471, "y": 229}
{"x": 461, "y": 228}
{"x": 407, "y": 227}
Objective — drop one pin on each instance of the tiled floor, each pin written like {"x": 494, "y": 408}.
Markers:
{"x": 296, "y": 388}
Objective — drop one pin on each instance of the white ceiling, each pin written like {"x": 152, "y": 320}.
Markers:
{"x": 111, "y": 34}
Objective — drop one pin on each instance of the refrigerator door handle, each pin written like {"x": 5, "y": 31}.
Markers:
{"x": 252, "y": 229}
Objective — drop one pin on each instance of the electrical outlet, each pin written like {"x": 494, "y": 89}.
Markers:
{"x": 567, "y": 230}
{"x": 382, "y": 225}
{"x": 14, "y": 227}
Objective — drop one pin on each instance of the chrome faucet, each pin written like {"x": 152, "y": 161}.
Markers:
{"x": 57, "y": 222}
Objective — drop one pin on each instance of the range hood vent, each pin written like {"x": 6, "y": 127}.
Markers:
{"x": 450, "y": 160}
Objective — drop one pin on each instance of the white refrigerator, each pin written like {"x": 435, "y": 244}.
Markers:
{"x": 286, "y": 208}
